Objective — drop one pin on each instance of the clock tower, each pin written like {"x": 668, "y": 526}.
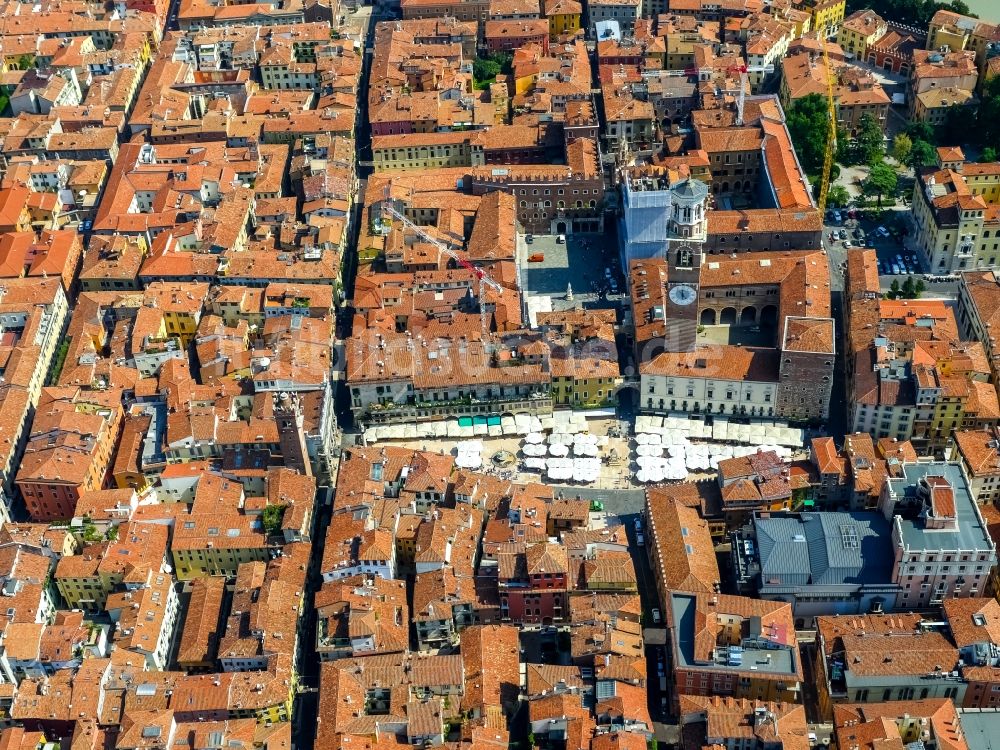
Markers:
{"x": 688, "y": 224}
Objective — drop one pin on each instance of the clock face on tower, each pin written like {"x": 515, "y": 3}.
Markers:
{"x": 682, "y": 294}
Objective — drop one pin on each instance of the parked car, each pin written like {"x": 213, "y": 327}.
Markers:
{"x": 837, "y": 217}
{"x": 640, "y": 539}
{"x": 560, "y": 239}
{"x": 843, "y": 234}
{"x": 529, "y": 238}
{"x": 895, "y": 269}
{"x": 85, "y": 225}
{"x": 656, "y": 616}
{"x": 882, "y": 231}
{"x": 536, "y": 257}
{"x": 847, "y": 244}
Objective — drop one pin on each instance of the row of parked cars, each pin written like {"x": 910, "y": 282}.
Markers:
{"x": 842, "y": 235}
{"x": 901, "y": 264}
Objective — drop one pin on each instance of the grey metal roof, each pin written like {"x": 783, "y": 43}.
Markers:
{"x": 981, "y": 730}
{"x": 828, "y": 548}
{"x": 784, "y": 552}
{"x": 691, "y": 189}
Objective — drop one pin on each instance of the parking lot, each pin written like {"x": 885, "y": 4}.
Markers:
{"x": 896, "y": 259}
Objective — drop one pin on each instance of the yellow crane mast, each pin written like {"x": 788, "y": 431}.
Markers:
{"x": 831, "y": 137}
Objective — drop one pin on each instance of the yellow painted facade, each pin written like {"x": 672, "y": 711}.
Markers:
{"x": 524, "y": 84}
{"x": 827, "y": 14}
{"x": 181, "y": 324}
{"x": 563, "y": 23}
{"x": 856, "y": 43}
{"x": 583, "y": 393}
{"x": 415, "y": 155}
{"x": 197, "y": 563}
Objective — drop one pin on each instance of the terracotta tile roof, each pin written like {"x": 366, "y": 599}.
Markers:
{"x": 728, "y": 720}
{"x": 718, "y": 362}
{"x": 201, "y": 631}
{"x": 490, "y": 657}
{"x": 809, "y": 335}
{"x": 684, "y": 553}
{"x": 826, "y": 457}
{"x": 914, "y": 655}
{"x": 980, "y": 452}
{"x": 547, "y": 678}
{"x": 878, "y": 725}
{"x": 973, "y": 621}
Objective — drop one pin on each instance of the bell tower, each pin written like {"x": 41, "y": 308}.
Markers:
{"x": 688, "y": 225}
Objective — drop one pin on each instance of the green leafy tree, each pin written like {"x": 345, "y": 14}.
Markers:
{"x": 907, "y": 288}
{"x": 901, "y": 146}
{"x": 893, "y": 289}
{"x": 272, "y": 517}
{"x": 911, "y": 12}
{"x": 882, "y": 180}
{"x": 847, "y": 152}
{"x": 919, "y": 288}
{"x": 870, "y": 140}
{"x": 809, "y": 125}
{"x": 485, "y": 70}
{"x": 505, "y": 60}
{"x": 922, "y": 155}
{"x": 920, "y": 131}
{"x": 988, "y": 155}
{"x": 957, "y": 124}
{"x": 958, "y": 6}
{"x": 838, "y": 196}
{"x": 987, "y": 127}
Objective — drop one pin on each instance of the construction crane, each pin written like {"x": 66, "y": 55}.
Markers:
{"x": 479, "y": 273}
{"x": 831, "y": 136}
{"x": 741, "y": 95}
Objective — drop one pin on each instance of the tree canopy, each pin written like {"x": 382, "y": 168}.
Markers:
{"x": 922, "y": 155}
{"x": 882, "y": 180}
{"x": 987, "y": 129}
{"x": 809, "y": 125}
{"x": 901, "y": 147}
{"x": 870, "y": 140}
{"x": 912, "y": 12}
{"x": 838, "y": 196}
{"x": 485, "y": 70}
{"x": 919, "y": 131}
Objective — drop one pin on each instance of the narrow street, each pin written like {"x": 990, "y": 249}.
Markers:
{"x": 304, "y": 717}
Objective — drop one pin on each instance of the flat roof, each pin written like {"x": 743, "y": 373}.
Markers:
{"x": 778, "y": 661}
{"x": 971, "y": 533}
{"x": 981, "y": 729}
